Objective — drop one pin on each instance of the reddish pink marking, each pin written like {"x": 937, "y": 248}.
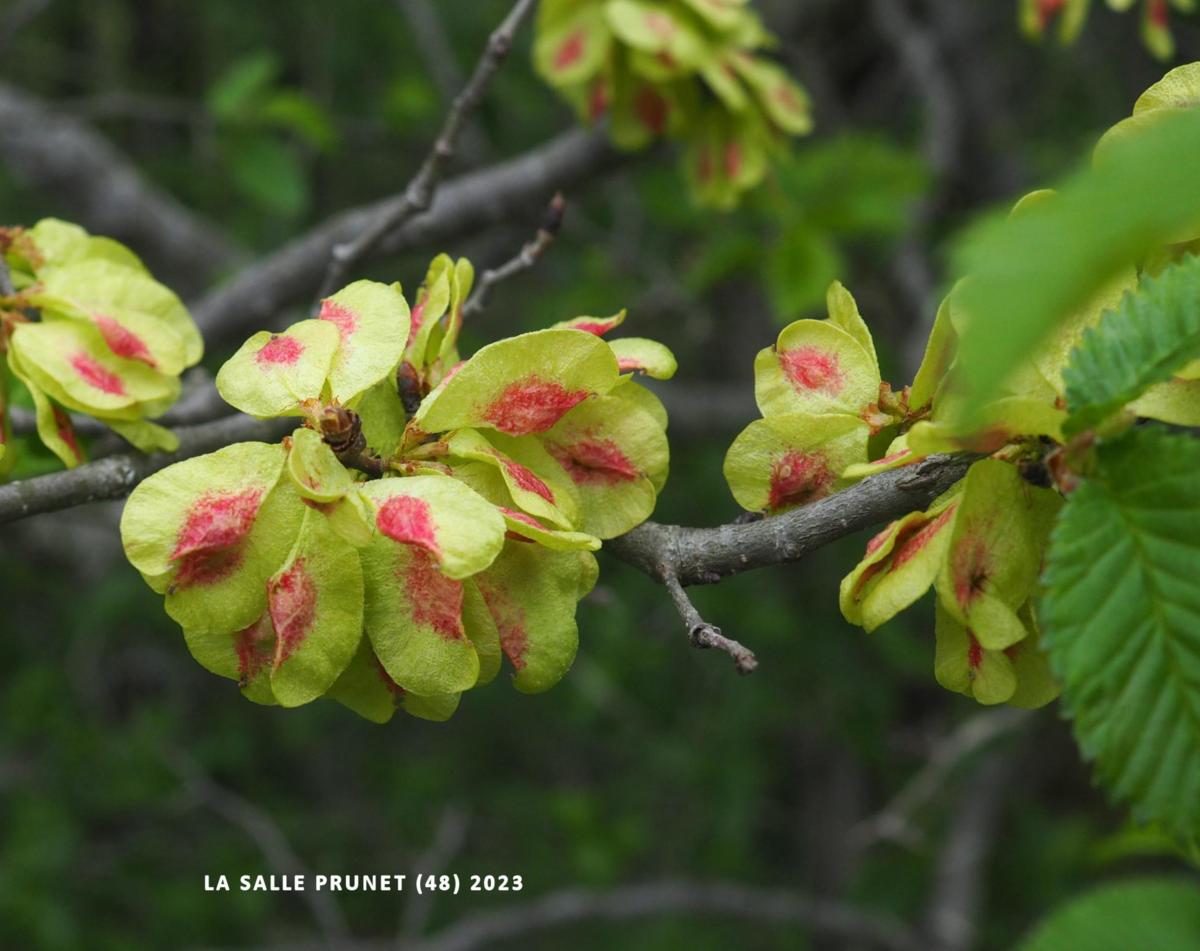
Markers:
{"x": 526, "y": 479}
{"x": 786, "y": 96}
{"x": 894, "y": 457}
{"x": 340, "y": 316}
{"x": 733, "y": 160}
{"x": 523, "y": 518}
{"x": 666, "y": 59}
{"x": 416, "y": 316}
{"x": 209, "y": 545}
{"x": 407, "y": 519}
{"x": 877, "y": 541}
{"x": 974, "y": 652}
{"x": 66, "y": 432}
{"x": 394, "y": 688}
{"x": 660, "y": 25}
{"x": 292, "y": 601}
{"x": 598, "y": 100}
{"x": 594, "y": 462}
{"x": 510, "y": 620}
{"x": 122, "y": 341}
{"x": 651, "y": 109}
{"x": 597, "y": 327}
{"x": 704, "y": 167}
{"x": 571, "y": 50}
{"x": 798, "y": 478}
{"x": 282, "y": 350}
{"x": 1046, "y": 10}
{"x": 531, "y": 406}
{"x": 630, "y": 364}
{"x": 95, "y": 375}
{"x": 917, "y": 537}
{"x": 971, "y": 567}
{"x": 435, "y": 600}
{"x": 1158, "y": 14}
{"x": 868, "y": 573}
{"x": 254, "y": 648}
{"x": 811, "y": 368}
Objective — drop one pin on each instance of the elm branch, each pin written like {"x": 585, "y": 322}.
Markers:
{"x": 419, "y": 194}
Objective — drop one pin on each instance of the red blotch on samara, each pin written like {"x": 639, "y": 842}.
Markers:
{"x": 974, "y": 653}
{"x": 798, "y": 478}
{"x": 292, "y": 601}
{"x": 341, "y": 317}
{"x": 95, "y": 375}
{"x": 813, "y": 369}
{"x": 531, "y": 406}
{"x": 598, "y": 327}
{"x": 525, "y": 519}
{"x": 254, "y": 646}
{"x": 594, "y": 462}
{"x": 526, "y": 480}
{"x": 914, "y": 538}
{"x": 571, "y": 50}
{"x": 733, "y": 160}
{"x": 209, "y": 545}
{"x": 279, "y": 351}
{"x": 651, "y": 109}
{"x": 122, "y": 341}
{"x": 436, "y": 601}
{"x": 970, "y": 567}
{"x": 404, "y": 518}
{"x": 510, "y": 622}
{"x": 66, "y": 432}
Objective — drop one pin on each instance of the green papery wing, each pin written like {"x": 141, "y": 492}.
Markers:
{"x": 433, "y": 299}
{"x": 445, "y": 338}
{"x": 1036, "y": 683}
{"x": 965, "y": 666}
{"x": 573, "y": 47}
{"x": 414, "y": 618}
{"x": 898, "y": 455}
{"x": 440, "y": 515}
{"x": 551, "y": 496}
{"x": 73, "y": 364}
{"x": 373, "y": 322}
{"x": 780, "y": 462}
{"x": 481, "y": 628}
{"x": 524, "y": 527}
{"x": 939, "y": 355}
{"x": 905, "y": 569}
{"x": 531, "y": 593}
{"x": 648, "y": 357}
{"x": 815, "y": 367}
{"x": 272, "y": 374}
{"x": 599, "y": 326}
{"x": 521, "y": 385}
{"x": 1000, "y": 422}
{"x": 315, "y": 470}
{"x": 54, "y": 426}
{"x": 365, "y": 687}
{"x": 315, "y": 601}
{"x": 244, "y": 655}
{"x": 784, "y": 102}
{"x": 996, "y": 550}
{"x": 1177, "y": 402}
{"x": 145, "y": 435}
{"x": 383, "y": 418}
{"x": 844, "y": 314}
{"x": 60, "y": 243}
{"x": 720, "y": 14}
{"x": 655, "y": 29}
{"x": 612, "y": 451}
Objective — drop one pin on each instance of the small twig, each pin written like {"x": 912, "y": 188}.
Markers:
{"x": 527, "y": 257}
{"x": 418, "y": 196}
{"x": 704, "y": 635}
{"x": 447, "y": 842}
{"x": 266, "y": 834}
{"x": 17, "y": 18}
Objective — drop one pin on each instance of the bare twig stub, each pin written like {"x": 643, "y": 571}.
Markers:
{"x": 527, "y": 257}
{"x": 418, "y": 196}
{"x": 704, "y": 635}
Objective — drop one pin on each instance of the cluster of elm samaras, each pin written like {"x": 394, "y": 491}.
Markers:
{"x": 683, "y": 69}
{"x": 1039, "y": 16}
{"x": 88, "y": 330}
{"x": 828, "y": 422}
{"x": 430, "y": 518}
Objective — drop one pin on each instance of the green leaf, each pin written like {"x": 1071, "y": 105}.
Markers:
{"x": 1158, "y": 913}
{"x": 524, "y": 384}
{"x": 531, "y": 594}
{"x": 783, "y": 461}
{"x": 272, "y": 374}
{"x": 315, "y": 602}
{"x": 242, "y": 83}
{"x": 799, "y": 267}
{"x": 268, "y": 172}
{"x": 1032, "y": 271}
{"x": 144, "y": 435}
{"x": 939, "y": 354}
{"x": 373, "y": 321}
{"x": 1122, "y": 619}
{"x": 441, "y": 516}
{"x": 1151, "y": 334}
{"x": 315, "y": 470}
{"x": 383, "y": 418}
